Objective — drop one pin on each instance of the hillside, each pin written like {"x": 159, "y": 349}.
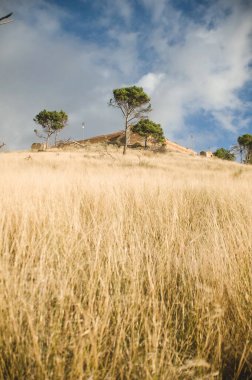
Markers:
{"x": 117, "y": 138}
{"x": 124, "y": 267}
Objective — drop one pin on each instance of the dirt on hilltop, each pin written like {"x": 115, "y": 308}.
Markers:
{"x": 136, "y": 141}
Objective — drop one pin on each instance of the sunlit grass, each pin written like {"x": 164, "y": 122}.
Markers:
{"x": 134, "y": 267}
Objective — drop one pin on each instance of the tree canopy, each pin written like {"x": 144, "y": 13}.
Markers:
{"x": 148, "y": 128}
{"x": 245, "y": 145}
{"x": 224, "y": 154}
{"x": 134, "y": 104}
{"x": 130, "y": 97}
{"x": 52, "y": 122}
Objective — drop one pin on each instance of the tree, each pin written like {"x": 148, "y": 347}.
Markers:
{"x": 224, "y": 154}
{"x": 2, "y": 144}
{"x": 52, "y": 122}
{"x": 148, "y": 128}
{"x": 134, "y": 104}
{"x": 245, "y": 145}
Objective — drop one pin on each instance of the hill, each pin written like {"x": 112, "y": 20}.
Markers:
{"x": 124, "y": 267}
{"x": 136, "y": 141}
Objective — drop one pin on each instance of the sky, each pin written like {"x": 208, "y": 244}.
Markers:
{"x": 192, "y": 57}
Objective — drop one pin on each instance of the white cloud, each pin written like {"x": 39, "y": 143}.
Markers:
{"x": 193, "y": 66}
{"x": 43, "y": 67}
{"x": 150, "y": 82}
{"x": 204, "y": 70}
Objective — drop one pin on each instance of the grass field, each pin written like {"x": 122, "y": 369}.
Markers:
{"x": 135, "y": 267}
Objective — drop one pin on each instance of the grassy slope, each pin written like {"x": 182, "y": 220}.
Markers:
{"x": 134, "y": 267}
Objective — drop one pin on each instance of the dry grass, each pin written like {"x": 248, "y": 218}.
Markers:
{"x": 134, "y": 267}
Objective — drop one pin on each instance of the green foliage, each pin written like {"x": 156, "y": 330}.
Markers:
{"x": 148, "y": 128}
{"x": 245, "y": 145}
{"x": 224, "y": 154}
{"x": 134, "y": 104}
{"x": 245, "y": 140}
{"x": 130, "y": 97}
{"x": 52, "y": 122}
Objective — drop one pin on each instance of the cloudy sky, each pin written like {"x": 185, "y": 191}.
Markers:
{"x": 193, "y": 57}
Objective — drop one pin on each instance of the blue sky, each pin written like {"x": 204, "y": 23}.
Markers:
{"x": 193, "y": 57}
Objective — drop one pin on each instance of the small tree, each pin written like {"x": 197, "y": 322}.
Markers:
{"x": 148, "y": 128}
{"x": 245, "y": 145}
{"x": 52, "y": 122}
{"x": 134, "y": 104}
{"x": 224, "y": 154}
{"x": 2, "y": 144}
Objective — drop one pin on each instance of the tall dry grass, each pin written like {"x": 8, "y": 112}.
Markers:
{"x": 134, "y": 267}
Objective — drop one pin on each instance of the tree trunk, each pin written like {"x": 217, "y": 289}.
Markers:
{"x": 145, "y": 142}
{"x": 55, "y": 139}
{"x": 249, "y": 154}
{"x": 46, "y": 144}
{"x": 126, "y": 137}
{"x": 125, "y": 142}
{"x": 241, "y": 155}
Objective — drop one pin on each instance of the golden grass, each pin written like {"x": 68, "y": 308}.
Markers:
{"x": 134, "y": 267}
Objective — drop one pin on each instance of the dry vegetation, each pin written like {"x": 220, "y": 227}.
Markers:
{"x": 134, "y": 267}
